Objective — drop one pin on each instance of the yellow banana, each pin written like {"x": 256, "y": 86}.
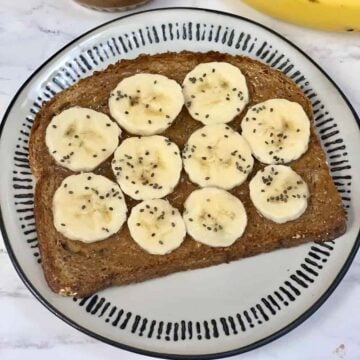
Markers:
{"x": 338, "y": 15}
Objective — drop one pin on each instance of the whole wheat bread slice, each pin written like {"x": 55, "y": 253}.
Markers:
{"x": 74, "y": 268}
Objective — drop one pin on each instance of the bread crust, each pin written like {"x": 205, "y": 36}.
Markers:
{"x": 75, "y": 268}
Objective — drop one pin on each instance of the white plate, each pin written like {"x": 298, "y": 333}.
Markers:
{"x": 213, "y": 312}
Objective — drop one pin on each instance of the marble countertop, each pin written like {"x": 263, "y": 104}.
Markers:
{"x": 31, "y": 31}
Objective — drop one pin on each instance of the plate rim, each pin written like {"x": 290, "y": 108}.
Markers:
{"x": 276, "y": 335}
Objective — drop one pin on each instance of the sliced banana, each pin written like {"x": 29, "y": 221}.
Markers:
{"x": 214, "y": 217}
{"x": 156, "y": 226}
{"x": 278, "y": 131}
{"x": 216, "y": 155}
{"x": 215, "y": 92}
{"x": 147, "y": 167}
{"x": 88, "y": 207}
{"x": 146, "y": 104}
{"x": 80, "y": 139}
{"x": 279, "y": 193}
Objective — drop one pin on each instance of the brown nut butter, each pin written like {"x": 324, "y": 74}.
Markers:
{"x": 111, "y": 5}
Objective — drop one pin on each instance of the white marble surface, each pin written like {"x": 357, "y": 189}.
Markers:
{"x": 31, "y": 31}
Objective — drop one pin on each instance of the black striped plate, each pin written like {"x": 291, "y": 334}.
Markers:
{"x": 209, "y": 313}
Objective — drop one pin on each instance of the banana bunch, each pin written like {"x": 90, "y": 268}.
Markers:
{"x": 338, "y": 15}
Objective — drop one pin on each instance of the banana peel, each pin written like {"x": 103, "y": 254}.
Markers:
{"x": 333, "y": 15}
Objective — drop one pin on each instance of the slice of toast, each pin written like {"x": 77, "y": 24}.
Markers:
{"x": 75, "y": 268}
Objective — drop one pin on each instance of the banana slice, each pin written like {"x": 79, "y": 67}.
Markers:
{"x": 147, "y": 167}
{"x": 214, "y": 217}
{"x": 146, "y": 104}
{"x": 279, "y": 193}
{"x": 216, "y": 155}
{"x": 156, "y": 226}
{"x": 80, "y": 139}
{"x": 277, "y": 130}
{"x": 215, "y": 92}
{"x": 88, "y": 207}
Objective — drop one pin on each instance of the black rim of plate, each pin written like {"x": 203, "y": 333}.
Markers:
{"x": 240, "y": 350}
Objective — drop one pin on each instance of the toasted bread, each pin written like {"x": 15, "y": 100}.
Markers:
{"x": 75, "y": 268}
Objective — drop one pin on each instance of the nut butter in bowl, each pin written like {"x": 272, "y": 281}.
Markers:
{"x": 111, "y": 5}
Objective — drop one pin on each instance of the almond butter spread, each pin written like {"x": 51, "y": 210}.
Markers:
{"x": 111, "y": 4}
